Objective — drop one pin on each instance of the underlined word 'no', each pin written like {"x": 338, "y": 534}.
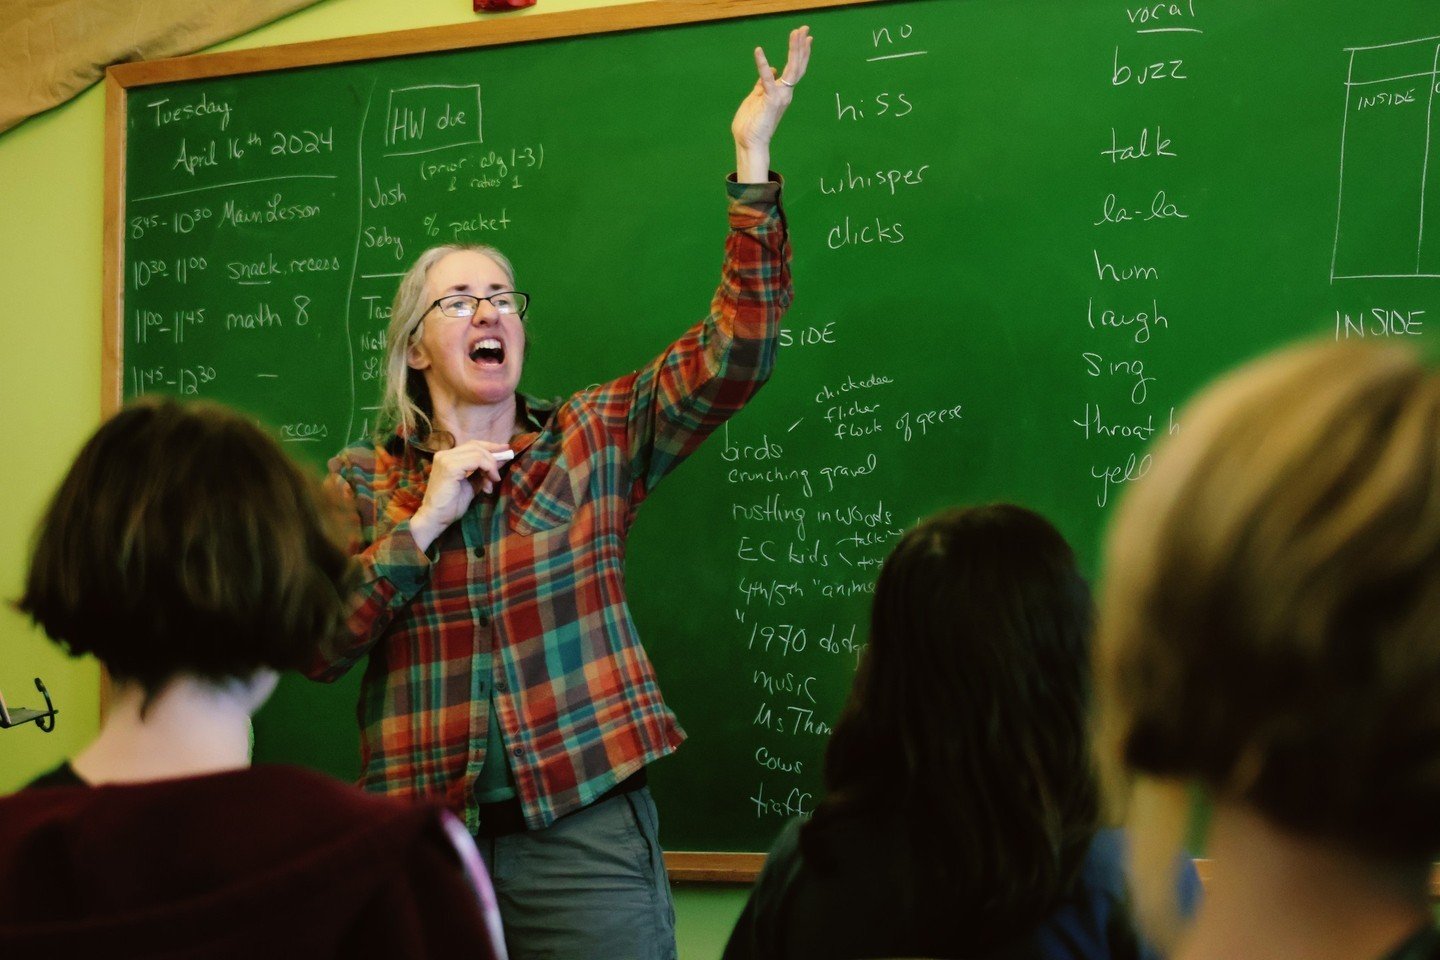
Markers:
{"x": 894, "y": 44}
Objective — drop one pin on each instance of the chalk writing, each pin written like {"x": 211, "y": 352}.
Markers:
{"x": 1157, "y": 13}
{"x": 766, "y": 449}
{"x": 262, "y": 317}
{"x": 1379, "y": 322}
{"x": 864, "y": 233}
{"x": 1097, "y": 366}
{"x": 261, "y": 271}
{"x": 1123, "y": 274}
{"x": 185, "y": 381}
{"x": 773, "y": 475}
{"x": 1123, "y": 74}
{"x": 772, "y": 593}
{"x": 796, "y": 803}
{"x": 1397, "y": 98}
{"x": 385, "y": 196}
{"x": 884, "y": 104}
{"x": 1389, "y": 88}
{"x": 383, "y": 239}
{"x": 809, "y": 336}
{"x": 771, "y": 510}
{"x": 164, "y": 112}
{"x": 863, "y": 468}
{"x": 303, "y": 432}
{"x": 1161, "y": 208}
{"x": 432, "y": 117}
{"x": 1094, "y": 425}
{"x": 1143, "y": 321}
{"x": 185, "y": 221}
{"x": 191, "y": 160}
{"x": 851, "y": 385}
{"x": 1141, "y": 149}
{"x": 1133, "y": 468}
{"x": 857, "y": 516}
{"x": 287, "y": 143}
{"x": 480, "y": 223}
{"x": 889, "y": 180}
{"x": 271, "y": 211}
{"x": 925, "y": 419}
{"x": 771, "y": 762}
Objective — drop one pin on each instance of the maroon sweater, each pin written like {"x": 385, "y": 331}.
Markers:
{"x": 263, "y": 863}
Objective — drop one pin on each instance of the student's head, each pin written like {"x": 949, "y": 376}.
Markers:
{"x": 431, "y": 339}
{"x": 183, "y": 541}
{"x": 1270, "y": 624}
{"x": 968, "y": 717}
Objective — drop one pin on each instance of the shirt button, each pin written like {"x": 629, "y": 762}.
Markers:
{"x": 480, "y": 551}
{"x": 516, "y": 753}
{"x": 500, "y": 685}
{"x": 484, "y": 620}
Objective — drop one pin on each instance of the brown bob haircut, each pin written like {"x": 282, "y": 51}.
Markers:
{"x": 184, "y": 541}
{"x": 1270, "y": 619}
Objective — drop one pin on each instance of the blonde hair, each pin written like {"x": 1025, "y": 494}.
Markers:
{"x": 405, "y": 400}
{"x": 1270, "y": 618}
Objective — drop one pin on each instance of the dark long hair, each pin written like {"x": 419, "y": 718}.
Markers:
{"x": 967, "y": 724}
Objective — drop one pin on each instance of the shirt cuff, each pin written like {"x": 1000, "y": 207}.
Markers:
{"x": 751, "y": 204}
{"x": 751, "y": 193}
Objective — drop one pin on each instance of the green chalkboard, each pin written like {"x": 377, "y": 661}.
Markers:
{"x": 1025, "y": 232}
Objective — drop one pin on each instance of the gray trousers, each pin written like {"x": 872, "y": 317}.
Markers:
{"x": 591, "y": 886}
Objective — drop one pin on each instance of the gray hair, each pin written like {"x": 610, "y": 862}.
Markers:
{"x": 405, "y": 401}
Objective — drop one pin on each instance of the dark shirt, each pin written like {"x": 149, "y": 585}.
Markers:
{"x": 62, "y": 776}
{"x": 853, "y": 911}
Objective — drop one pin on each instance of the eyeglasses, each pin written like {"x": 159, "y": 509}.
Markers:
{"x": 463, "y": 306}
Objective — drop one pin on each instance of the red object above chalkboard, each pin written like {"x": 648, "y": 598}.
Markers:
{"x": 499, "y": 6}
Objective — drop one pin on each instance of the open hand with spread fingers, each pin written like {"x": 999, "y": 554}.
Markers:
{"x": 759, "y": 113}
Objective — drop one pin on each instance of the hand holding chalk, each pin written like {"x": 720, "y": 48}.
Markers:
{"x": 450, "y": 489}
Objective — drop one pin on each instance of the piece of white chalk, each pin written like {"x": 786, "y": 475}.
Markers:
{"x": 503, "y": 456}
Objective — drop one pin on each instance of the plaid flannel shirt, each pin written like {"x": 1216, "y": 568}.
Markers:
{"x": 527, "y": 590}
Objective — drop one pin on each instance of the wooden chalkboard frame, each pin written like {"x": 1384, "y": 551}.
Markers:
{"x": 685, "y": 866}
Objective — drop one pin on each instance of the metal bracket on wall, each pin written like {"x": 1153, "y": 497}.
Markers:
{"x": 44, "y": 719}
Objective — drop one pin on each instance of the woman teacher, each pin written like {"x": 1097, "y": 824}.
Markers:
{"x": 505, "y": 676}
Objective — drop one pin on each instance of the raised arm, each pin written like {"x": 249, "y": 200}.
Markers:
{"x": 676, "y": 400}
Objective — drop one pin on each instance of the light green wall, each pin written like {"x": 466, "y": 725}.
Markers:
{"x": 51, "y": 203}
{"x": 50, "y": 212}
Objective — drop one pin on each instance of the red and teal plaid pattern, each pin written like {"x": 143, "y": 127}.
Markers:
{"x": 527, "y": 590}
